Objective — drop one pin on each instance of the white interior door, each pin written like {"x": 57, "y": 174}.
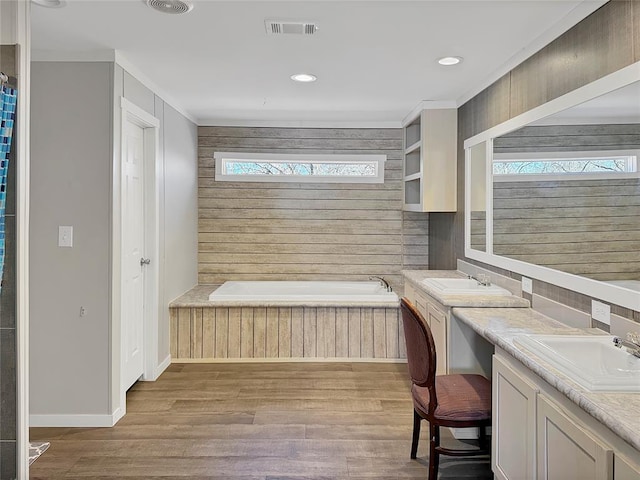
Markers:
{"x": 133, "y": 252}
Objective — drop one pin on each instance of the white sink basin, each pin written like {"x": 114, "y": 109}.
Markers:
{"x": 463, "y": 286}
{"x": 592, "y": 361}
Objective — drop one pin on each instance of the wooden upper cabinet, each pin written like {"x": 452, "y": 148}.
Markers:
{"x": 429, "y": 161}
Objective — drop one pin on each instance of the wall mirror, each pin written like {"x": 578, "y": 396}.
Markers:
{"x": 554, "y": 194}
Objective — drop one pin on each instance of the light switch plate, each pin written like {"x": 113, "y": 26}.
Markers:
{"x": 601, "y": 312}
{"x": 527, "y": 285}
{"x": 65, "y": 236}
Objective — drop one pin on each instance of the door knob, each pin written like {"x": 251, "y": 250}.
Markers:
{"x": 145, "y": 261}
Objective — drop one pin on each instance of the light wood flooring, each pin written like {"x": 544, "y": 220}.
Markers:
{"x": 278, "y": 421}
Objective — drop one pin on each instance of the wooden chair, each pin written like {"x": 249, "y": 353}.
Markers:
{"x": 457, "y": 400}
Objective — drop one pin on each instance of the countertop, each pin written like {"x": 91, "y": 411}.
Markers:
{"x": 416, "y": 277}
{"x": 619, "y": 411}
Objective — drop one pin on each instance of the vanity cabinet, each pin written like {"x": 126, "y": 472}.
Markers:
{"x": 538, "y": 433}
{"x": 624, "y": 469}
{"x": 514, "y": 424}
{"x": 429, "y": 161}
{"x": 565, "y": 449}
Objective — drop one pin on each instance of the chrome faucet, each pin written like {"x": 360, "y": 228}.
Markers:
{"x": 632, "y": 343}
{"x": 383, "y": 282}
{"x": 482, "y": 279}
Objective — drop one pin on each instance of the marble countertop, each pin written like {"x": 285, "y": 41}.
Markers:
{"x": 198, "y": 297}
{"x": 416, "y": 277}
{"x": 619, "y": 411}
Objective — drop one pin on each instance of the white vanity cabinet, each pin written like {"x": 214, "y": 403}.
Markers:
{"x": 625, "y": 469}
{"x": 538, "y": 433}
{"x": 565, "y": 449}
{"x": 514, "y": 424}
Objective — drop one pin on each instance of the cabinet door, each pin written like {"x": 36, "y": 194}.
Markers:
{"x": 566, "y": 451}
{"x": 624, "y": 470}
{"x": 513, "y": 449}
{"x": 438, "y": 323}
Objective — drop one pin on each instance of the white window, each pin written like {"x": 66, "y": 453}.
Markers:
{"x": 566, "y": 164}
{"x": 271, "y": 167}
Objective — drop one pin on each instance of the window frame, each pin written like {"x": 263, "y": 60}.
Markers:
{"x": 222, "y": 157}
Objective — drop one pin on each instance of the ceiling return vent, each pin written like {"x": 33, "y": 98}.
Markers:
{"x": 281, "y": 27}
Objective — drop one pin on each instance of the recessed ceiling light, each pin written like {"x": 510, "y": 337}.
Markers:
{"x": 50, "y": 3}
{"x": 303, "y": 77}
{"x": 449, "y": 60}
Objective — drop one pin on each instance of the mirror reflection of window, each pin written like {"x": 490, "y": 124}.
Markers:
{"x": 478, "y": 196}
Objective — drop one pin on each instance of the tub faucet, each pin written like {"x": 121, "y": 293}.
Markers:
{"x": 383, "y": 282}
{"x": 632, "y": 343}
{"x": 482, "y": 279}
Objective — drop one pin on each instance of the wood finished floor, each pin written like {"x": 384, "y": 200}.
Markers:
{"x": 289, "y": 421}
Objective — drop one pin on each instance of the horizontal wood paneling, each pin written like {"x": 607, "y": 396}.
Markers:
{"x": 285, "y": 332}
{"x": 278, "y": 231}
{"x": 585, "y": 227}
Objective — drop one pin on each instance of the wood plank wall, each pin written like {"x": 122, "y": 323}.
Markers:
{"x": 572, "y": 138}
{"x": 291, "y": 231}
{"x": 586, "y": 227}
{"x": 604, "y": 42}
{"x": 286, "y": 332}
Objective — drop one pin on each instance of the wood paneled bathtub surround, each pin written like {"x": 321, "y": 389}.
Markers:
{"x": 218, "y": 333}
{"x": 291, "y": 231}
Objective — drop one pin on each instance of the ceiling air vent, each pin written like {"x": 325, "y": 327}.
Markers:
{"x": 279, "y": 27}
{"x": 170, "y": 6}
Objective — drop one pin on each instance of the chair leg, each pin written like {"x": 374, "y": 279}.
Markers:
{"x": 434, "y": 456}
{"x": 416, "y": 434}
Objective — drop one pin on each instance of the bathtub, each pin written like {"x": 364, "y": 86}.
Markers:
{"x": 287, "y": 321}
{"x": 630, "y": 284}
{"x": 303, "y": 293}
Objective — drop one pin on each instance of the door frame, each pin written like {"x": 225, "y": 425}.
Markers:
{"x": 152, "y": 175}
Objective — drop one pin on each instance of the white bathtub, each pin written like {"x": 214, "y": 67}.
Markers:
{"x": 272, "y": 293}
{"x": 630, "y": 284}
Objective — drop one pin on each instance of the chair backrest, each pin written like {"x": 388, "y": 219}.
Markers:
{"x": 421, "y": 349}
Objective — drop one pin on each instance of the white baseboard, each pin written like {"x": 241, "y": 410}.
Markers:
{"x": 290, "y": 360}
{"x": 162, "y": 367}
{"x": 80, "y": 420}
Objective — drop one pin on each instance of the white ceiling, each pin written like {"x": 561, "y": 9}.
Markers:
{"x": 375, "y": 60}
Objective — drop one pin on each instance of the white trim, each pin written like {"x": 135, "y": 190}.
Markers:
{"x": 152, "y": 164}
{"x": 579, "y": 13}
{"x": 427, "y": 105}
{"x": 71, "y": 420}
{"x": 159, "y": 369}
{"x": 290, "y": 360}
{"x": 560, "y": 177}
{"x": 121, "y": 60}
{"x": 23, "y": 139}
{"x": 593, "y": 288}
{"x": 221, "y": 176}
{"x": 234, "y": 122}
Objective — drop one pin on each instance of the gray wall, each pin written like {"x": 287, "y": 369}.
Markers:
{"x": 70, "y": 185}
{"x": 279, "y": 231}
{"x": 8, "y": 377}
{"x": 72, "y": 155}
{"x": 601, "y": 44}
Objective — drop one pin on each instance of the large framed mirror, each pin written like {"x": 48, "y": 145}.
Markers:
{"x": 554, "y": 194}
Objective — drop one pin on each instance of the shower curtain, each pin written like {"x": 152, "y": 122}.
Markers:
{"x": 8, "y": 97}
